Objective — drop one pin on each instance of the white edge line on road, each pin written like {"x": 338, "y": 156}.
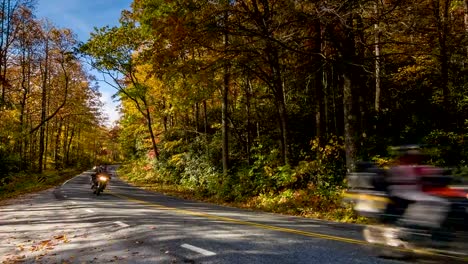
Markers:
{"x": 73, "y": 202}
{"x": 89, "y": 211}
{"x": 70, "y": 179}
{"x": 198, "y": 250}
{"x": 122, "y": 224}
{"x": 81, "y": 174}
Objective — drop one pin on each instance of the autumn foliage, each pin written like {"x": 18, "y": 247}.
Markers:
{"x": 242, "y": 99}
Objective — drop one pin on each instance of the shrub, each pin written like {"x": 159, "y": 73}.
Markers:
{"x": 447, "y": 148}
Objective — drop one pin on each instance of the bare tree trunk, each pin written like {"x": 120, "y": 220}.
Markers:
{"x": 248, "y": 95}
{"x": 57, "y": 142}
{"x": 225, "y": 101}
{"x": 465, "y": 10}
{"x": 150, "y": 129}
{"x": 319, "y": 93}
{"x": 67, "y": 158}
{"x": 444, "y": 56}
{"x": 205, "y": 118}
{"x": 197, "y": 117}
{"x": 377, "y": 58}
{"x": 164, "y": 115}
{"x": 349, "y": 121}
{"x": 25, "y": 86}
{"x": 3, "y": 47}
{"x": 280, "y": 99}
{"x": 44, "y": 106}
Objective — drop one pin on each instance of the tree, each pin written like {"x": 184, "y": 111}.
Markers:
{"x": 113, "y": 51}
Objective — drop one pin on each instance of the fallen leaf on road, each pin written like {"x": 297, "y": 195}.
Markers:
{"x": 62, "y": 237}
{"x": 45, "y": 244}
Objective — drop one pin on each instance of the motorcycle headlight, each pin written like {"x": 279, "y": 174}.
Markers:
{"x": 102, "y": 178}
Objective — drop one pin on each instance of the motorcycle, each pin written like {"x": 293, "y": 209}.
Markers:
{"x": 101, "y": 182}
{"x": 367, "y": 190}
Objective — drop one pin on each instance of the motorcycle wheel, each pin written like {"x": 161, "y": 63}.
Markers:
{"x": 98, "y": 189}
{"x": 383, "y": 243}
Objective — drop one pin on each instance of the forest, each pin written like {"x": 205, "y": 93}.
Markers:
{"x": 264, "y": 103}
{"x": 50, "y": 110}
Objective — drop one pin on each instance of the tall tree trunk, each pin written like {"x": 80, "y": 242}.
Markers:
{"x": 67, "y": 157}
{"x": 197, "y": 116}
{"x": 150, "y": 129}
{"x": 248, "y": 95}
{"x": 465, "y": 10}
{"x": 349, "y": 123}
{"x": 57, "y": 142}
{"x": 225, "y": 100}
{"x": 205, "y": 125}
{"x": 3, "y": 49}
{"x": 25, "y": 80}
{"x": 7, "y": 33}
{"x": 443, "y": 20}
{"x": 65, "y": 137}
{"x": 377, "y": 58}
{"x": 205, "y": 118}
{"x": 280, "y": 98}
{"x": 164, "y": 114}
{"x": 319, "y": 94}
{"x": 44, "y": 106}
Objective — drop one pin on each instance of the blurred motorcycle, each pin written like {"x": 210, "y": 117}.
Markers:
{"x": 368, "y": 191}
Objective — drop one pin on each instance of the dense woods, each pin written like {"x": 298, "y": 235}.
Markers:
{"x": 269, "y": 101}
{"x": 49, "y": 106}
{"x": 242, "y": 99}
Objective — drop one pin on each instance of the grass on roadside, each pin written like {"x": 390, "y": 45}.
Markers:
{"x": 298, "y": 203}
{"x": 24, "y": 183}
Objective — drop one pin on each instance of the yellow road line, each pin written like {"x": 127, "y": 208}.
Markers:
{"x": 276, "y": 228}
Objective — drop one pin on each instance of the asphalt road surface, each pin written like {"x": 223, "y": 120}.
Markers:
{"x": 69, "y": 224}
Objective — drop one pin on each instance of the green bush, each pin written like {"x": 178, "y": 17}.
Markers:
{"x": 326, "y": 169}
{"x": 9, "y": 163}
{"x": 447, "y": 148}
{"x": 191, "y": 166}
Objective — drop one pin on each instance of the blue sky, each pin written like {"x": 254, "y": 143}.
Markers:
{"x": 82, "y": 16}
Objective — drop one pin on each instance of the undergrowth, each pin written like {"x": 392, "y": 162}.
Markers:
{"x": 23, "y": 183}
{"x": 307, "y": 202}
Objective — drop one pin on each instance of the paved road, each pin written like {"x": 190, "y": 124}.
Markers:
{"x": 128, "y": 225}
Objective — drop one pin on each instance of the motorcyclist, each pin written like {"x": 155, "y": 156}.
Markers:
{"x": 425, "y": 211}
{"x": 96, "y": 170}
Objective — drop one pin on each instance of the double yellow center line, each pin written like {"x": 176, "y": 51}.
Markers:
{"x": 276, "y": 228}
